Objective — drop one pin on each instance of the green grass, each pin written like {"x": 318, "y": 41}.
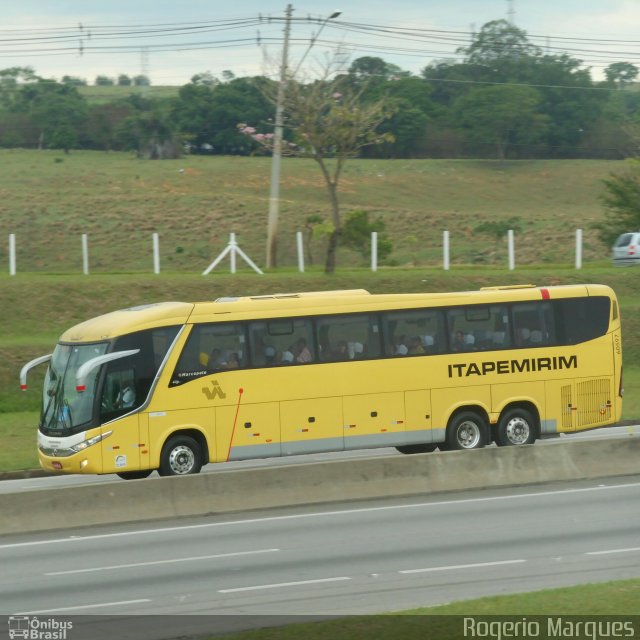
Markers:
{"x": 618, "y": 599}
{"x": 18, "y": 437}
{"x": 49, "y": 199}
{"x": 106, "y": 94}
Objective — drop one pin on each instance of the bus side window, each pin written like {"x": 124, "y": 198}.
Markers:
{"x": 532, "y": 324}
{"x": 414, "y": 332}
{"x": 479, "y": 328}
{"x": 346, "y": 337}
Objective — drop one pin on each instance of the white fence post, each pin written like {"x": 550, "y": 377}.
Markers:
{"x": 156, "y": 253}
{"x": 85, "y": 254}
{"x": 374, "y": 251}
{"x": 12, "y": 254}
{"x": 578, "y": 248}
{"x": 300, "y": 246}
{"x": 445, "y": 250}
{"x": 512, "y": 253}
{"x": 233, "y": 244}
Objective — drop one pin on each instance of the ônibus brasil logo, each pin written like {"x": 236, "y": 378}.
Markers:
{"x": 34, "y": 628}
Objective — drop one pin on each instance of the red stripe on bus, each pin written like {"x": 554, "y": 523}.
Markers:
{"x": 545, "y": 294}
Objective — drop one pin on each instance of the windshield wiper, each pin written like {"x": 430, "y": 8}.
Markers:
{"x": 54, "y": 395}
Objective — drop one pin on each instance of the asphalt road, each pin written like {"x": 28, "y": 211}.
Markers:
{"x": 52, "y": 482}
{"x": 338, "y": 559}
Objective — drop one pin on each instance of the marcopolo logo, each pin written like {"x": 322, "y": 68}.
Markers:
{"x": 34, "y": 628}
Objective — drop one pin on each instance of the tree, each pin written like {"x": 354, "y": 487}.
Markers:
{"x": 498, "y": 229}
{"x": 328, "y": 122}
{"x": 621, "y": 74}
{"x": 501, "y": 115}
{"x": 206, "y": 78}
{"x": 151, "y": 130}
{"x": 11, "y": 82}
{"x": 500, "y": 46}
{"x": 356, "y": 235}
{"x": 622, "y": 203}
{"x": 141, "y": 81}
{"x": 124, "y": 80}
{"x": 104, "y": 81}
{"x": 58, "y": 110}
{"x": 74, "y": 81}
{"x": 208, "y": 114}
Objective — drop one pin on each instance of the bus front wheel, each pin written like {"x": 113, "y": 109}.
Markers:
{"x": 416, "y": 448}
{"x": 181, "y": 456}
{"x": 466, "y": 430}
{"x": 516, "y": 427}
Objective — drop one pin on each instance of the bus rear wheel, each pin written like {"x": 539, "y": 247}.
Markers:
{"x": 516, "y": 427}
{"x": 466, "y": 430}
{"x": 181, "y": 456}
{"x": 135, "y": 475}
{"x": 416, "y": 448}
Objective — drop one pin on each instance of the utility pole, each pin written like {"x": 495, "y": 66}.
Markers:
{"x": 274, "y": 196}
{"x": 511, "y": 13}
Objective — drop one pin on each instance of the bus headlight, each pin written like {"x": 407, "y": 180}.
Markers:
{"x": 81, "y": 446}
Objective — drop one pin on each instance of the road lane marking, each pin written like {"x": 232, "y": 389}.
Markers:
{"x": 607, "y": 551}
{"x": 278, "y": 585}
{"x": 154, "y": 562}
{"x": 452, "y": 567}
{"x": 82, "y": 606}
{"x": 318, "y": 514}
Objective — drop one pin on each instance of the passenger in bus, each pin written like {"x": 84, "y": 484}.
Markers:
{"x": 415, "y": 346}
{"x": 216, "y": 360}
{"x": 458, "y": 343}
{"x": 233, "y": 362}
{"x": 429, "y": 344}
{"x": 265, "y": 354}
{"x": 355, "y": 350}
{"x": 341, "y": 352}
{"x": 302, "y": 352}
{"x": 536, "y": 337}
{"x": 523, "y": 337}
{"x": 287, "y": 357}
{"x": 126, "y": 398}
{"x": 399, "y": 346}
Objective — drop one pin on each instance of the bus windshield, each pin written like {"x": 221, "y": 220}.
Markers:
{"x": 63, "y": 407}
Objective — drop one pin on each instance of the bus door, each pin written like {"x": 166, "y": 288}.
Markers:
{"x": 120, "y": 449}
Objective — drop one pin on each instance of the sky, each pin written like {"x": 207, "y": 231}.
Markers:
{"x": 170, "y": 42}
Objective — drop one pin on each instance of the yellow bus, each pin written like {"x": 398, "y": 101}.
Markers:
{"x": 173, "y": 386}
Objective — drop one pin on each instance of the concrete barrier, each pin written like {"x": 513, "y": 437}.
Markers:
{"x": 228, "y": 491}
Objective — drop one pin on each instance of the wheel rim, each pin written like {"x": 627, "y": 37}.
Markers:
{"x": 468, "y": 434}
{"x": 518, "y": 430}
{"x": 181, "y": 460}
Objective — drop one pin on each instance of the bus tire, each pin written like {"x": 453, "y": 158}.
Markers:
{"x": 416, "y": 448}
{"x": 181, "y": 456}
{"x": 135, "y": 475}
{"x": 516, "y": 427}
{"x": 466, "y": 430}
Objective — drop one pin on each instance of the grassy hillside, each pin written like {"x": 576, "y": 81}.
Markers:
{"x": 100, "y": 95}
{"x": 49, "y": 199}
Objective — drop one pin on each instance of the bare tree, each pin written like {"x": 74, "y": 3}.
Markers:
{"x": 329, "y": 121}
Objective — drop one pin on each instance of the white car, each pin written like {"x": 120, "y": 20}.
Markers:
{"x": 626, "y": 249}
